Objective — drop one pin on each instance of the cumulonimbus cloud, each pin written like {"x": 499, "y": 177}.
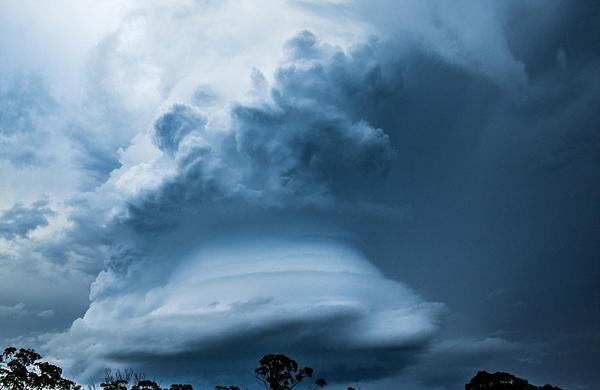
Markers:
{"x": 301, "y": 147}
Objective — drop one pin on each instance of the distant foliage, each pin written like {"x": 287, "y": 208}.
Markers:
{"x": 143, "y": 384}
{"x": 129, "y": 380}
{"x": 502, "y": 381}
{"x": 22, "y": 370}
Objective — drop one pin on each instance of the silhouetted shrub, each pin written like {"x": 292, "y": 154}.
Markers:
{"x": 502, "y": 381}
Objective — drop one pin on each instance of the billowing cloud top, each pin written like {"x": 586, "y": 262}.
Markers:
{"x": 303, "y": 146}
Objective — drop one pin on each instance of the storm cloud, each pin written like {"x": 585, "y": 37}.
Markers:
{"x": 399, "y": 194}
{"x": 306, "y": 289}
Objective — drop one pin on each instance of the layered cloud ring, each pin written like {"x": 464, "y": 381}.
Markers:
{"x": 313, "y": 296}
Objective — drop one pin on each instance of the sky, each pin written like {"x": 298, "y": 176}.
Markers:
{"x": 396, "y": 193}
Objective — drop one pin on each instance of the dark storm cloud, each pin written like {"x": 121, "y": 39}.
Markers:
{"x": 505, "y": 198}
{"x": 484, "y": 127}
{"x": 335, "y": 122}
{"x": 241, "y": 351}
{"x": 449, "y": 363}
{"x": 306, "y": 148}
{"x": 20, "y": 220}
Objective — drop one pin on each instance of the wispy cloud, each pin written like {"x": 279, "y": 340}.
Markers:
{"x": 16, "y": 311}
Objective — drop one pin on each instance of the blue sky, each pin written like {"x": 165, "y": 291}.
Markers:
{"x": 395, "y": 193}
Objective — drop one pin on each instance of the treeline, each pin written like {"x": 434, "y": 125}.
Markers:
{"x": 23, "y": 369}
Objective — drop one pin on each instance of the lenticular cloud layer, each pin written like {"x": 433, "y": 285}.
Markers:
{"x": 309, "y": 296}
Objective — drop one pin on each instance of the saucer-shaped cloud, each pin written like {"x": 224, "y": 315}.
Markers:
{"x": 316, "y": 297}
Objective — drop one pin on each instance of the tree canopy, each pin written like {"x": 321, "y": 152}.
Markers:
{"x": 279, "y": 372}
{"x": 502, "y": 381}
{"x": 23, "y": 370}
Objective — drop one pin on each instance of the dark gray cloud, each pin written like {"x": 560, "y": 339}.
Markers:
{"x": 503, "y": 199}
{"x": 20, "y": 220}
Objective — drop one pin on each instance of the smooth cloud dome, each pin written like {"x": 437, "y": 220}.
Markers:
{"x": 309, "y": 295}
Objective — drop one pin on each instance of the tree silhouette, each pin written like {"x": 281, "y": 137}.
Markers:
{"x": 141, "y": 384}
{"x": 146, "y": 385}
{"x": 279, "y": 372}
{"x": 22, "y": 369}
{"x": 118, "y": 384}
{"x": 502, "y": 381}
{"x": 120, "y": 380}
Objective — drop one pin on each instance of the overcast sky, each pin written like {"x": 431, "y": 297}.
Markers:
{"x": 398, "y": 194}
